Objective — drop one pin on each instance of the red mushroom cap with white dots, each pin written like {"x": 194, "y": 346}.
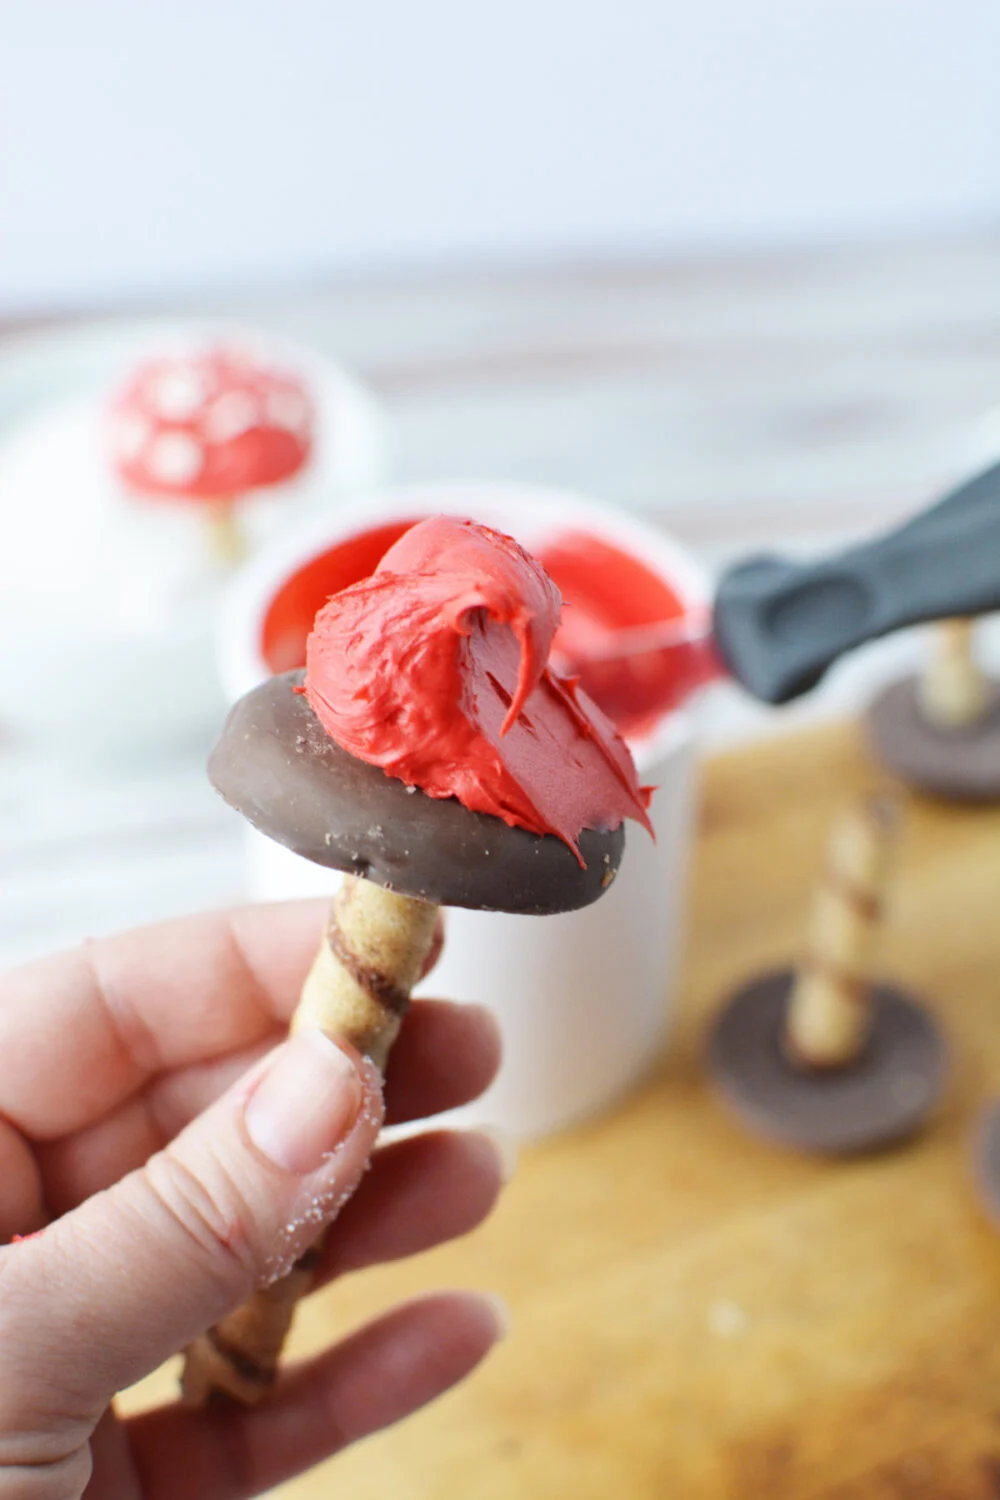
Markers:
{"x": 209, "y": 426}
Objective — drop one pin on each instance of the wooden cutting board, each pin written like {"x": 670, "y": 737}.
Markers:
{"x": 697, "y": 1314}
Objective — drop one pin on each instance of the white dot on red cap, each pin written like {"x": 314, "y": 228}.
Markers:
{"x": 178, "y": 393}
{"x": 230, "y": 415}
{"x": 288, "y": 409}
{"x": 175, "y": 458}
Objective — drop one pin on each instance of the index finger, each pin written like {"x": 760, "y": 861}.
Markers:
{"x": 83, "y": 1030}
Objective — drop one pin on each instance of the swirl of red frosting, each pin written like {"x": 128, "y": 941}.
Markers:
{"x": 436, "y": 669}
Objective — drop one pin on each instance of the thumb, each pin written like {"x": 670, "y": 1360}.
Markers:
{"x": 109, "y": 1291}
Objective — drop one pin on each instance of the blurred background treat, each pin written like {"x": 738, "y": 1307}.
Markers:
{"x": 140, "y": 461}
{"x": 207, "y": 428}
{"x": 732, "y": 267}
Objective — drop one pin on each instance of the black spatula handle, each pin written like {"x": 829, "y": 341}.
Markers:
{"x": 780, "y": 624}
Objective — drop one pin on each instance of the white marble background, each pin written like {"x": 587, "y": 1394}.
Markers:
{"x": 794, "y": 400}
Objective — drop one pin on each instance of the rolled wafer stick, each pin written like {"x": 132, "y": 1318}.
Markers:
{"x": 227, "y": 540}
{"x": 829, "y": 1013}
{"x": 358, "y": 988}
{"x": 953, "y": 691}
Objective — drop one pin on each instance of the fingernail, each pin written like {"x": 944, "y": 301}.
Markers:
{"x": 500, "y": 1311}
{"x": 505, "y": 1147}
{"x": 305, "y": 1104}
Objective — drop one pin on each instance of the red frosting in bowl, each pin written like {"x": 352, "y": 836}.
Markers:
{"x": 436, "y": 669}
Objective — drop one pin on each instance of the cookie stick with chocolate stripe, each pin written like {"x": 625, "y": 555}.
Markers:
{"x": 823, "y": 1058}
{"x": 450, "y": 643}
{"x": 829, "y": 1010}
{"x": 358, "y": 988}
{"x": 954, "y": 690}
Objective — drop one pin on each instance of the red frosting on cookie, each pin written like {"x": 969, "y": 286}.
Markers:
{"x": 436, "y": 669}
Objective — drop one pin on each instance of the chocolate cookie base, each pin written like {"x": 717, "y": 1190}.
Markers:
{"x": 986, "y": 1161}
{"x": 882, "y": 1097}
{"x": 961, "y": 765}
{"x": 277, "y": 766}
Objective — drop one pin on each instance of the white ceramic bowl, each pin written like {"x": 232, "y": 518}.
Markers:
{"x": 107, "y": 603}
{"x": 583, "y": 998}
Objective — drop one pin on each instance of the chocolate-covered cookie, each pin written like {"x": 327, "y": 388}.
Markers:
{"x": 276, "y": 765}
{"x": 879, "y": 1098}
{"x": 958, "y": 762}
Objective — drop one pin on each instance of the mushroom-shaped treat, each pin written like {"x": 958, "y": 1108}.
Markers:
{"x": 208, "y": 428}
{"x": 822, "y": 1057}
{"x": 941, "y": 731}
{"x": 431, "y": 753}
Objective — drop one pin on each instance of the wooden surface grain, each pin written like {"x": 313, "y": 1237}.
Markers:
{"x": 697, "y": 1314}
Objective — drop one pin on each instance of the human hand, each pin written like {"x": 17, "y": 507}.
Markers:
{"x": 151, "y": 1131}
